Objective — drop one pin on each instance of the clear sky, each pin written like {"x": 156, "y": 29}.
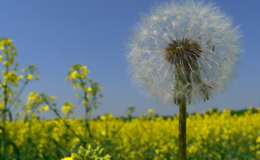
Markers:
{"x": 54, "y": 35}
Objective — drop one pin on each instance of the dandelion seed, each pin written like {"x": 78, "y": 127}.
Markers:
{"x": 188, "y": 52}
{"x": 192, "y": 53}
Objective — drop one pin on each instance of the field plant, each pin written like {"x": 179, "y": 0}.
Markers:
{"x": 183, "y": 52}
{"x": 213, "y": 135}
{"x": 27, "y": 147}
{"x": 88, "y": 154}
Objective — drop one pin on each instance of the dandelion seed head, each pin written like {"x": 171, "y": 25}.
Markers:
{"x": 183, "y": 49}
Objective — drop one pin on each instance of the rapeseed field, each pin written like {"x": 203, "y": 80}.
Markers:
{"x": 211, "y": 135}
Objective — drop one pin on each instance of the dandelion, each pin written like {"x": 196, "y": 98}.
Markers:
{"x": 183, "y": 51}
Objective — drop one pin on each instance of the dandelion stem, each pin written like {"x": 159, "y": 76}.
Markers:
{"x": 182, "y": 129}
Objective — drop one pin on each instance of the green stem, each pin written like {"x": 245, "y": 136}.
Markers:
{"x": 17, "y": 96}
{"x": 86, "y": 113}
{"x": 85, "y": 131}
{"x": 4, "y": 117}
{"x": 5, "y": 105}
{"x": 87, "y": 126}
{"x": 106, "y": 128}
{"x": 182, "y": 129}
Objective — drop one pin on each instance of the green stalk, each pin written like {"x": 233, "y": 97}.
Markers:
{"x": 4, "y": 117}
{"x": 87, "y": 126}
{"x": 182, "y": 129}
{"x": 86, "y": 117}
{"x": 5, "y": 108}
{"x": 85, "y": 131}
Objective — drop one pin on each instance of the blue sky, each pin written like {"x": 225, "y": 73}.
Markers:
{"x": 54, "y": 35}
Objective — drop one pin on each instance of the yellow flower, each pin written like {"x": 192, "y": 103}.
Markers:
{"x": 89, "y": 89}
{"x": 83, "y": 67}
{"x": 24, "y": 69}
{"x": 6, "y": 63}
{"x": 2, "y": 41}
{"x": 78, "y": 85}
{"x": 46, "y": 108}
{"x": 1, "y": 47}
{"x": 73, "y": 75}
{"x": 29, "y": 76}
{"x": 67, "y": 158}
{"x": 52, "y": 98}
{"x": 40, "y": 110}
{"x": 65, "y": 109}
{"x": 85, "y": 103}
{"x": 29, "y": 107}
{"x": 9, "y": 41}
{"x": 150, "y": 111}
{"x": 13, "y": 47}
{"x": 258, "y": 140}
{"x": 4, "y": 72}
{"x": 36, "y": 77}
{"x": 103, "y": 118}
{"x": 20, "y": 77}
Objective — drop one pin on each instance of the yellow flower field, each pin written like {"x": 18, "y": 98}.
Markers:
{"x": 212, "y": 135}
